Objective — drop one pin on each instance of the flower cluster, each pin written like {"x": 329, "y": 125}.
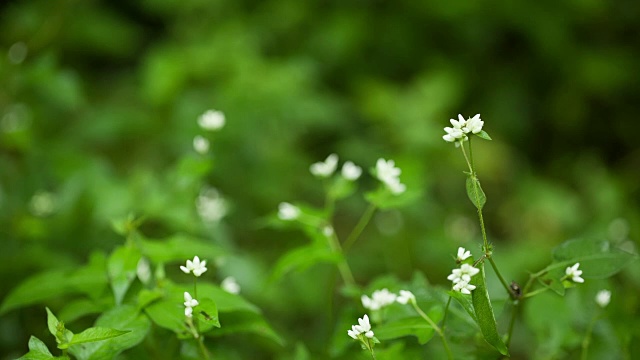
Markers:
{"x": 603, "y": 297}
{"x": 363, "y": 328}
{"x": 389, "y": 174}
{"x": 189, "y": 304}
{"x": 324, "y": 169}
{"x": 196, "y": 266}
{"x": 288, "y": 212}
{"x": 462, "y": 127}
{"x": 573, "y": 273}
{"x": 382, "y": 298}
{"x": 461, "y": 278}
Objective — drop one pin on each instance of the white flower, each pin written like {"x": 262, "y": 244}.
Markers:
{"x": 287, "y": 211}
{"x": 189, "y": 301}
{"x": 327, "y": 230}
{"x": 211, "y": 120}
{"x": 463, "y": 254}
{"x": 196, "y": 266}
{"x": 379, "y": 299}
{"x": 326, "y": 168}
{"x": 388, "y": 173}
{"x": 353, "y": 332}
{"x": 405, "y": 297}
{"x": 230, "y": 285}
{"x": 143, "y": 270}
{"x": 210, "y": 205}
{"x": 188, "y": 311}
{"x": 351, "y": 171}
{"x": 200, "y": 144}
{"x": 603, "y": 297}
{"x": 461, "y": 278}
{"x": 473, "y": 125}
{"x": 463, "y": 287}
{"x": 573, "y": 273}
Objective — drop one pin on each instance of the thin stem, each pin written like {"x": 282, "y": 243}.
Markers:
{"x": 465, "y": 155}
{"x": 533, "y": 293}
{"x": 203, "y": 349}
{"x": 357, "y": 230}
{"x": 343, "y": 266}
{"x": 587, "y": 339}
{"x": 446, "y": 311}
{"x": 195, "y": 287}
{"x": 434, "y": 326}
{"x": 373, "y": 355}
{"x": 514, "y": 314}
{"x": 504, "y": 283}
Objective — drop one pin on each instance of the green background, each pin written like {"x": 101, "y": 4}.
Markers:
{"x": 103, "y": 105}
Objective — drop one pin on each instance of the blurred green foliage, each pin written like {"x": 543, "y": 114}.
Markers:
{"x": 98, "y": 108}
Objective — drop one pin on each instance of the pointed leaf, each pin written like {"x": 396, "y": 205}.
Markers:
{"x": 179, "y": 247}
{"x": 246, "y": 322}
{"x": 475, "y": 193}
{"x": 38, "y": 288}
{"x": 415, "y": 326}
{"x": 465, "y": 302}
{"x": 122, "y": 267}
{"x": 207, "y": 313}
{"x": 484, "y": 312}
{"x": 303, "y": 257}
{"x": 96, "y": 334}
{"x": 597, "y": 258}
{"x": 37, "y": 350}
{"x": 483, "y": 134}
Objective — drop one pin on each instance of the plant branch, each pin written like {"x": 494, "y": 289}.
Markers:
{"x": 357, "y": 230}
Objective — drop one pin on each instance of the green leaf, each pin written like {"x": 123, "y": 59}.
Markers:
{"x": 37, "y": 350}
{"x": 552, "y": 281}
{"x": 168, "y": 314}
{"x": 38, "y": 288}
{"x": 146, "y": 297}
{"x": 122, "y": 270}
{"x": 382, "y": 198}
{"x": 179, "y": 248}
{"x": 475, "y": 193}
{"x": 57, "y": 329}
{"x": 225, "y": 302}
{"x": 484, "y": 312}
{"x": 76, "y": 309}
{"x": 465, "y": 301}
{"x": 483, "y": 135}
{"x": 96, "y": 334}
{"x": 246, "y": 322}
{"x": 303, "y": 257}
{"x": 90, "y": 279}
{"x": 597, "y": 258}
{"x": 415, "y": 326}
{"x": 207, "y": 313}
{"x": 125, "y": 318}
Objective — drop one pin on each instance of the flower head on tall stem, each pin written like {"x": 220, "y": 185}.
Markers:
{"x": 195, "y": 266}
{"x": 389, "y": 174}
{"x": 324, "y": 169}
{"x": 463, "y": 254}
{"x": 351, "y": 171}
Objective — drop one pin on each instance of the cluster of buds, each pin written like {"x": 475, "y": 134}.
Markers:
{"x": 382, "y": 298}
{"x": 362, "y": 329}
{"x": 461, "y": 127}
{"x": 324, "y": 169}
{"x": 389, "y": 174}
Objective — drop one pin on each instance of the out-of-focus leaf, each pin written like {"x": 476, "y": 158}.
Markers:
{"x": 78, "y": 308}
{"x": 122, "y": 270}
{"x": 38, "y": 288}
{"x": 179, "y": 248}
{"x": 207, "y": 313}
{"x": 597, "y": 258}
{"x": 384, "y": 199}
{"x": 246, "y": 322}
{"x": 484, "y": 312}
{"x": 415, "y": 326}
{"x": 465, "y": 302}
{"x": 303, "y": 257}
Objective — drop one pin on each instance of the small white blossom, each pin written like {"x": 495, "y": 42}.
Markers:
{"x": 473, "y": 125}
{"x": 196, "y": 266}
{"x": 353, "y": 332}
{"x": 143, "y": 270}
{"x": 573, "y": 273}
{"x": 363, "y": 327}
{"x": 287, "y": 211}
{"x": 200, "y": 144}
{"x": 603, "y": 297}
{"x": 388, "y": 173}
{"x": 324, "y": 169}
{"x": 463, "y": 254}
{"x": 230, "y": 285}
{"x": 188, "y": 311}
{"x": 463, "y": 287}
{"x": 461, "y": 278}
{"x": 378, "y": 300}
{"x": 211, "y": 120}
{"x": 351, "y": 171}
{"x": 327, "y": 230}
{"x": 189, "y": 301}
{"x": 211, "y": 206}
{"x": 405, "y": 297}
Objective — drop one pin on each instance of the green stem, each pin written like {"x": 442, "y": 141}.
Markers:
{"x": 446, "y": 311}
{"x": 343, "y": 266}
{"x": 373, "y": 355}
{"x": 357, "y": 230}
{"x": 533, "y": 293}
{"x": 514, "y": 314}
{"x": 195, "y": 287}
{"x": 203, "y": 349}
{"x": 504, "y": 283}
{"x": 587, "y": 339}
{"x": 435, "y": 327}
